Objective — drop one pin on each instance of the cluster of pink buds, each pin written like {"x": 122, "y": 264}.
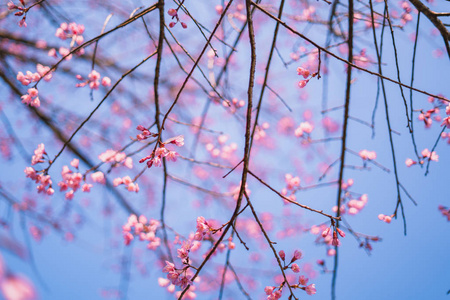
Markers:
{"x": 21, "y": 11}
{"x": 174, "y": 14}
{"x": 93, "y": 80}
{"x": 445, "y": 211}
{"x": 331, "y": 237}
{"x": 385, "y": 218}
{"x": 356, "y": 205}
{"x": 128, "y": 182}
{"x": 144, "y": 229}
{"x": 305, "y": 73}
{"x": 116, "y": 157}
{"x": 31, "y": 98}
{"x": 426, "y": 154}
{"x": 238, "y": 14}
{"x": 145, "y": 133}
{"x": 42, "y": 71}
{"x": 162, "y": 152}
{"x": 292, "y": 185}
{"x": 304, "y": 130}
{"x": 367, "y": 155}
{"x": 406, "y": 14}
{"x": 274, "y": 292}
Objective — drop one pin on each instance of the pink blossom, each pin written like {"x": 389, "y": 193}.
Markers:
{"x": 297, "y": 255}
{"x": 75, "y": 163}
{"x": 409, "y": 162}
{"x": 106, "y": 81}
{"x": 303, "y": 280}
{"x": 15, "y": 287}
{"x": 98, "y": 177}
{"x": 38, "y": 155}
{"x": 172, "y": 155}
{"x": 310, "y": 289}
{"x": 269, "y": 290}
{"x": 304, "y": 127}
{"x": 367, "y": 155}
{"x": 86, "y": 187}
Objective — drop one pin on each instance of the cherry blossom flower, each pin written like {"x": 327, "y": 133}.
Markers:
{"x": 310, "y": 289}
{"x": 14, "y": 287}
{"x": 302, "y": 280}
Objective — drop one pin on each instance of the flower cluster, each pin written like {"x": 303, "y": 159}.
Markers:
{"x": 159, "y": 153}
{"x": 72, "y": 180}
{"x": 38, "y": 156}
{"x": 31, "y": 98}
{"x": 21, "y": 11}
{"x": 367, "y": 155}
{"x": 304, "y": 130}
{"x": 233, "y": 105}
{"x": 44, "y": 182}
{"x": 274, "y": 292}
{"x": 98, "y": 177}
{"x": 145, "y": 133}
{"x": 426, "y": 154}
{"x": 71, "y": 30}
{"x": 116, "y": 157}
{"x": 178, "y": 277}
{"x": 203, "y": 229}
{"x": 42, "y": 71}
{"x": 426, "y": 117}
{"x": 406, "y": 14}
{"x": 131, "y": 186}
{"x": 93, "y": 80}
{"x": 292, "y": 185}
{"x": 333, "y": 237}
{"x": 305, "y": 73}
{"x": 223, "y": 150}
{"x": 356, "y": 205}
{"x": 144, "y": 228}
{"x": 174, "y": 14}
{"x": 385, "y": 218}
